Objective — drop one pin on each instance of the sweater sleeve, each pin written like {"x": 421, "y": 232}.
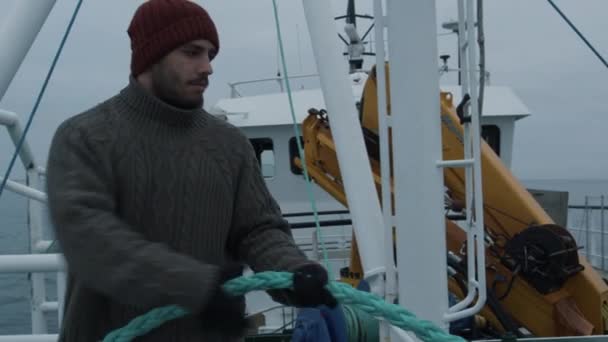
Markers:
{"x": 260, "y": 235}
{"x": 101, "y": 250}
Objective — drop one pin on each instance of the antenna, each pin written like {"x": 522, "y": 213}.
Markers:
{"x": 278, "y": 53}
{"x": 299, "y": 47}
{"x": 351, "y": 17}
{"x": 355, "y": 44}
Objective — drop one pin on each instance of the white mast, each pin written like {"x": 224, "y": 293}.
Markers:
{"x": 420, "y": 222}
{"x": 346, "y": 131}
{"x": 18, "y": 30}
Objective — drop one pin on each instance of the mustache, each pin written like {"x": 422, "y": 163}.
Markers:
{"x": 202, "y": 81}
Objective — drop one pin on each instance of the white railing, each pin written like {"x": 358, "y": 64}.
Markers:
{"x": 587, "y": 224}
{"x": 26, "y": 191}
{"x": 30, "y": 338}
{"x": 234, "y": 92}
{"x": 25, "y": 20}
{"x": 37, "y": 263}
{"x": 476, "y": 265}
{"x": 11, "y": 121}
{"x": 31, "y": 263}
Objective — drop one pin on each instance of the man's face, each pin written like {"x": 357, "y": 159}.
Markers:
{"x": 181, "y": 77}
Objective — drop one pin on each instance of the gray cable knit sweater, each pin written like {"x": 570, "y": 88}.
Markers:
{"x": 146, "y": 199}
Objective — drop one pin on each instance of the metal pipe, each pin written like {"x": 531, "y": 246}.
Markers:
{"x": 280, "y": 79}
{"x": 35, "y": 200}
{"x": 587, "y": 225}
{"x": 11, "y": 121}
{"x": 328, "y": 223}
{"x": 30, "y": 338}
{"x": 26, "y": 191}
{"x": 475, "y": 237}
{"x": 25, "y": 263}
{"x": 37, "y": 283}
{"x": 466, "y": 81}
{"x": 356, "y": 171}
{"x": 462, "y": 48}
{"x": 591, "y": 207}
{"x": 49, "y": 306}
{"x": 24, "y": 20}
{"x": 455, "y": 163}
{"x": 385, "y": 166}
{"x": 61, "y": 286}
{"x": 8, "y": 118}
{"x": 477, "y": 175}
{"x": 39, "y": 325}
{"x": 310, "y": 213}
{"x": 602, "y": 229}
{"x": 482, "y": 54}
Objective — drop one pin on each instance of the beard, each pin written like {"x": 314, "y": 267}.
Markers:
{"x": 166, "y": 86}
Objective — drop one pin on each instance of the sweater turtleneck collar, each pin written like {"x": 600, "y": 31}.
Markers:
{"x": 148, "y": 106}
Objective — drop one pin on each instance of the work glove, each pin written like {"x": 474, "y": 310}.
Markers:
{"x": 224, "y": 313}
{"x": 309, "y": 290}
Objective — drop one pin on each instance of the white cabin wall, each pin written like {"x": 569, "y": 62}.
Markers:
{"x": 288, "y": 188}
{"x": 506, "y": 125}
{"x": 290, "y": 191}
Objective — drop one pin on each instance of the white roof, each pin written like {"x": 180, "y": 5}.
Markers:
{"x": 498, "y": 101}
{"x": 273, "y": 109}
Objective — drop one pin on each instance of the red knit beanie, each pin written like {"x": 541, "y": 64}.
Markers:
{"x": 159, "y": 26}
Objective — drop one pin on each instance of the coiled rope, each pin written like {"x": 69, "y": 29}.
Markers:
{"x": 344, "y": 293}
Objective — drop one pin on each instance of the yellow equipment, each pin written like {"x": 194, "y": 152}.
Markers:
{"x": 536, "y": 278}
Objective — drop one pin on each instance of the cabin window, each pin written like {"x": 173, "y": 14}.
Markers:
{"x": 264, "y": 151}
{"x": 294, "y": 153}
{"x": 491, "y": 134}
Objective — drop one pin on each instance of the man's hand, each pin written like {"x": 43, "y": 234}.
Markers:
{"x": 225, "y": 313}
{"x": 309, "y": 283}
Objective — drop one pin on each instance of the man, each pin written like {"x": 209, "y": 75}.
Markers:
{"x": 155, "y": 202}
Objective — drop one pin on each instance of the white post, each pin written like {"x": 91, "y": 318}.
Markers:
{"x": 479, "y": 226}
{"x": 61, "y": 285}
{"x": 464, "y": 46}
{"x": 18, "y": 30}
{"x": 38, "y": 289}
{"x": 472, "y": 152}
{"x": 346, "y": 131}
{"x": 385, "y": 166}
{"x": 415, "y": 115}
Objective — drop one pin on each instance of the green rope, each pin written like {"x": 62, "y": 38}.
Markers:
{"x": 298, "y": 135}
{"x": 344, "y": 293}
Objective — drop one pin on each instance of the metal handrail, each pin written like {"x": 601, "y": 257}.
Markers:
{"x": 37, "y": 262}
{"x": 26, "y": 191}
{"x": 30, "y": 338}
{"x": 11, "y": 121}
{"x": 476, "y": 265}
{"x": 234, "y": 93}
{"x": 31, "y": 263}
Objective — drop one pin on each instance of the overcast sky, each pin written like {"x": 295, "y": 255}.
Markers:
{"x": 529, "y": 48}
